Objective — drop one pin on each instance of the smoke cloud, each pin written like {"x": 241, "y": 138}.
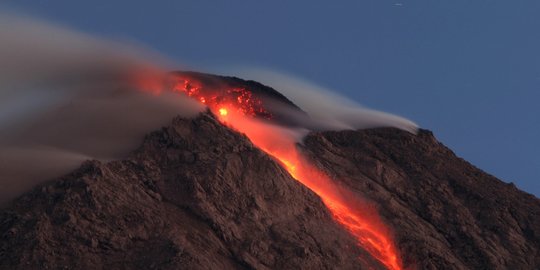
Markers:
{"x": 66, "y": 97}
{"x": 325, "y": 110}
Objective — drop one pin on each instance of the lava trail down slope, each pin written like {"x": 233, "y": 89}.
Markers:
{"x": 199, "y": 194}
{"x": 237, "y": 107}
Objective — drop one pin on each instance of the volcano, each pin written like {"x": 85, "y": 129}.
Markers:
{"x": 224, "y": 191}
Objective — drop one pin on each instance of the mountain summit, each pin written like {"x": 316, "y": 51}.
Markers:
{"x": 201, "y": 194}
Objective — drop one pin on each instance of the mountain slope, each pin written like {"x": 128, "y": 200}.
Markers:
{"x": 196, "y": 195}
{"x": 446, "y": 213}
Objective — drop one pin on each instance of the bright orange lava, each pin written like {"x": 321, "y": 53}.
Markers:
{"x": 359, "y": 220}
{"x": 223, "y": 112}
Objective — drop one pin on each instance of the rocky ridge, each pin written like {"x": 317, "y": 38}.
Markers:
{"x": 198, "y": 195}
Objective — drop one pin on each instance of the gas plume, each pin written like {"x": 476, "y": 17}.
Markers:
{"x": 66, "y": 97}
{"x": 325, "y": 109}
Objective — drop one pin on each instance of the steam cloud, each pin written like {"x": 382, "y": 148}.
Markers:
{"x": 325, "y": 110}
{"x": 66, "y": 97}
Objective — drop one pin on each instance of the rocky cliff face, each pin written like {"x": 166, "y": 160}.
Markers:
{"x": 197, "y": 195}
{"x": 446, "y": 213}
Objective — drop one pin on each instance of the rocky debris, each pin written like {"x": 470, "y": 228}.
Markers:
{"x": 259, "y": 90}
{"x": 196, "y": 195}
{"x": 274, "y": 105}
{"x": 446, "y": 213}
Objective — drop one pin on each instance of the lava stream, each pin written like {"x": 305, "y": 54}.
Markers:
{"x": 360, "y": 221}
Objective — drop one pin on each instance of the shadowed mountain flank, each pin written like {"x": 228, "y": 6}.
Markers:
{"x": 446, "y": 213}
{"x": 196, "y": 195}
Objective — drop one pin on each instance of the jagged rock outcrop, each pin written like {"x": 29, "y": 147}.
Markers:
{"x": 446, "y": 213}
{"x": 196, "y": 195}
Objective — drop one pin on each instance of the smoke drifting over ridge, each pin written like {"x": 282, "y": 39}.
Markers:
{"x": 326, "y": 110}
{"x": 66, "y": 97}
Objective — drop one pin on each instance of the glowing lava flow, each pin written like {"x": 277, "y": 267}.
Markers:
{"x": 360, "y": 221}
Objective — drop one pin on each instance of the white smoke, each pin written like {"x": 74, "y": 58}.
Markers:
{"x": 66, "y": 97}
{"x": 325, "y": 109}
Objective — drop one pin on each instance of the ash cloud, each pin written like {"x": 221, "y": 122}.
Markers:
{"x": 325, "y": 110}
{"x": 66, "y": 97}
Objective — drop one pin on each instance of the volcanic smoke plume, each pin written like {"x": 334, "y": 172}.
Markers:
{"x": 326, "y": 110}
{"x": 67, "y": 97}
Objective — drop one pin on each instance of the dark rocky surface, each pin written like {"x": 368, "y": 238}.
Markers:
{"x": 196, "y": 195}
{"x": 446, "y": 213}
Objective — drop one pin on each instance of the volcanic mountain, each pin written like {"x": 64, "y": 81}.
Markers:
{"x": 203, "y": 194}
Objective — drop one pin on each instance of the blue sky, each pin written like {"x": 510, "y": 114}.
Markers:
{"x": 468, "y": 70}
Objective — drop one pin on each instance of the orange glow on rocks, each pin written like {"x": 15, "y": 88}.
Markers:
{"x": 236, "y": 108}
{"x": 237, "y": 99}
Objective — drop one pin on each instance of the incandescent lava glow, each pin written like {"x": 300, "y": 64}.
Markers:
{"x": 223, "y": 112}
{"x": 237, "y": 109}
